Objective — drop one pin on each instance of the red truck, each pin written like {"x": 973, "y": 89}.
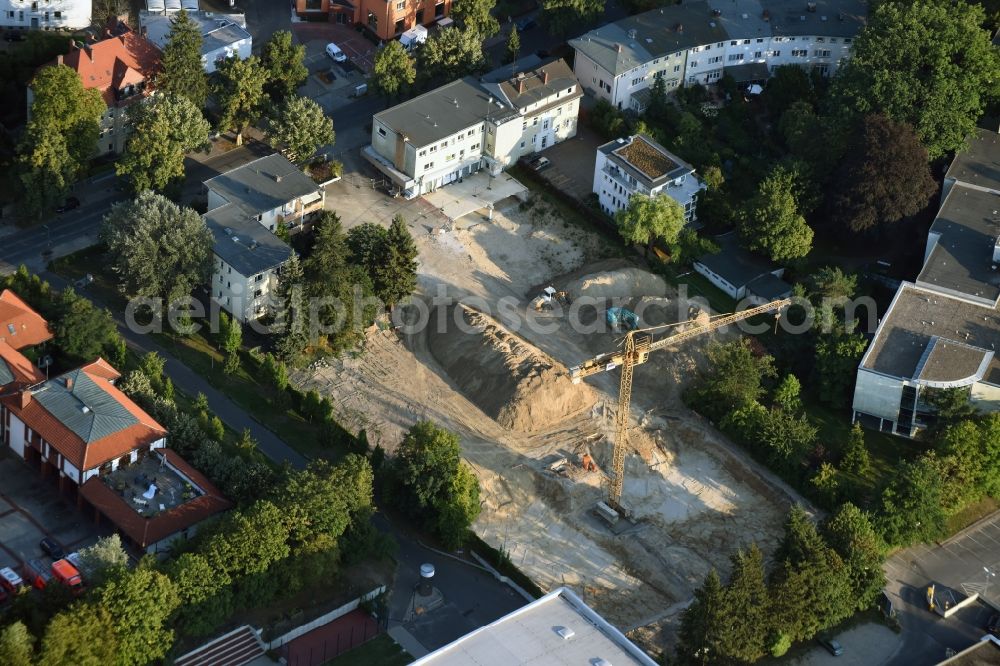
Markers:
{"x": 68, "y": 575}
{"x": 37, "y": 574}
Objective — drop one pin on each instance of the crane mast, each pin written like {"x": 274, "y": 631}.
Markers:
{"x": 637, "y": 347}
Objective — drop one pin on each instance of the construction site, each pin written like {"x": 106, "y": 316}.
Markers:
{"x": 530, "y": 300}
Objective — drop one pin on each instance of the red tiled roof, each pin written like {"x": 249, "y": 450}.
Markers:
{"x": 24, "y": 371}
{"x": 147, "y": 531}
{"x": 113, "y": 63}
{"x": 79, "y": 453}
{"x": 29, "y": 326}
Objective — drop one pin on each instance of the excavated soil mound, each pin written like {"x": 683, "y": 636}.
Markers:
{"x": 620, "y": 283}
{"x": 516, "y": 384}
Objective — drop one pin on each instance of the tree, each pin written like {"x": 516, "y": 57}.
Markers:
{"x": 563, "y": 16}
{"x": 140, "y": 603}
{"x": 786, "y": 395}
{"x": 927, "y": 63}
{"x": 788, "y": 86}
{"x": 951, "y": 406}
{"x": 647, "y": 220}
{"x": 276, "y": 372}
{"x": 157, "y": 248}
{"x": 460, "y": 509}
{"x": 513, "y": 49}
{"x": 152, "y": 366}
{"x": 393, "y": 70}
{"x": 285, "y": 65}
{"x": 166, "y": 127}
{"x": 298, "y": 127}
{"x": 856, "y": 458}
{"x": 852, "y": 535}
{"x": 321, "y": 500}
{"x": 735, "y": 378}
{"x": 83, "y": 635}
{"x": 475, "y": 16}
{"x": 60, "y": 137}
{"x": 249, "y": 541}
{"x": 396, "y": 277}
{"x": 451, "y": 54}
{"x": 426, "y": 463}
{"x": 837, "y": 354}
{"x": 913, "y": 503}
{"x": 230, "y": 334}
{"x": 83, "y": 331}
{"x": 700, "y": 635}
{"x": 833, "y": 284}
{"x": 745, "y": 623}
{"x": 102, "y": 557}
{"x": 368, "y": 244}
{"x": 183, "y": 74}
{"x": 240, "y": 93}
{"x": 291, "y": 323}
{"x": 16, "y": 645}
{"x": 884, "y": 177}
{"x": 772, "y": 224}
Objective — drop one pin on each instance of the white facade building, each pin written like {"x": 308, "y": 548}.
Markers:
{"x": 222, "y": 35}
{"x": 45, "y": 14}
{"x": 639, "y": 165}
{"x": 699, "y": 42}
{"x": 942, "y": 330}
{"x": 245, "y": 208}
{"x": 468, "y": 125}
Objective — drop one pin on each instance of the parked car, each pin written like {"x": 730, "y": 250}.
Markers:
{"x": 69, "y": 204}
{"x": 539, "y": 164}
{"x": 51, "y": 548}
{"x": 334, "y": 52}
{"x": 832, "y": 646}
{"x": 993, "y": 625}
{"x": 10, "y": 581}
{"x": 14, "y": 36}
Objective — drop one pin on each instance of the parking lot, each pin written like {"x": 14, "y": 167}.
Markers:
{"x": 572, "y": 169}
{"x": 31, "y": 508}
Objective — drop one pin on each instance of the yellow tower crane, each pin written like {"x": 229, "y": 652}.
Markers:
{"x": 638, "y": 345}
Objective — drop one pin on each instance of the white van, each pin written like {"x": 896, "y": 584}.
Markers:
{"x": 334, "y": 52}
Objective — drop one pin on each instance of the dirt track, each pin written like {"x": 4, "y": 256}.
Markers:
{"x": 696, "y": 501}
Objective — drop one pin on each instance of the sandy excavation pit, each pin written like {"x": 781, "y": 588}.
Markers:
{"x": 512, "y": 382}
{"x": 698, "y": 497}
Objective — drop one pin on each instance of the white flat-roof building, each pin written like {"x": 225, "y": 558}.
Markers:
{"x": 556, "y": 630}
{"x": 639, "y": 165}
{"x": 699, "y": 41}
{"x": 45, "y": 14}
{"x": 222, "y": 35}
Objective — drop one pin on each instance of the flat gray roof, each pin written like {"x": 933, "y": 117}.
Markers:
{"x": 556, "y": 630}
{"x": 217, "y": 30}
{"x": 929, "y": 336}
{"x": 734, "y": 264}
{"x": 831, "y": 18}
{"x": 263, "y": 185}
{"x": 979, "y": 164}
{"x": 76, "y": 401}
{"x": 770, "y": 286}
{"x": 962, "y": 259}
{"x": 243, "y": 242}
{"x": 439, "y": 113}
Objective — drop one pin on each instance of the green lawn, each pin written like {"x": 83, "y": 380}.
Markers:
{"x": 698, "y": 285}
{"x": 381, "y": 650}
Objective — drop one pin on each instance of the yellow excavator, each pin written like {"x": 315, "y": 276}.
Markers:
{"x": 636, "y": 348}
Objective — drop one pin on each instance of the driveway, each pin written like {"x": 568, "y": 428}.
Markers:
{"x": 573, "y": 161}
{"x": 957, "y": 563}
{"x": 31, "y": 508}
{"x": 863, "y": 645}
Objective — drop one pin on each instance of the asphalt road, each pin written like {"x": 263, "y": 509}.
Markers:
{"x": 957, "y": 563}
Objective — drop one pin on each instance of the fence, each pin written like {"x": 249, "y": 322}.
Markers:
{"x": 324, "y": 619}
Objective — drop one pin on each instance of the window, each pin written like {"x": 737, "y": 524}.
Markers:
{"x": 534, "y": 121}
{"x": 638, "y": 80}
{"x": 735, "y": 57}
{"x": 524, "y": 125}
{"x": 401, "y": 5}
{"x": 833, "y": 40}
{"x": 822, "y": 53}
{"x": 707, "y": 47}
{"x": 522, "y": 144}
{"x": 57, "y": 15}
{"x": 381, "y": 131}
{"x": 746, "y": 41}
{"x": 716, "y": 59}
{"x": 430, "y": 165}
{"x": 475, "y": 146}
{"x": 449, "y": 158}
{"x": 257, "y": 293}
{"x": 760, "y": 41}
{"x": 545, "y": 125}
{"x": 693, "y": 63}
{"x": 373, "y": 21}
{"x": 422, "y": 153}
{"x": 420, "y": 16}
{"x": 433, "y": 149}
{"x": 721, "y": 44}
{"x": 820, "y": 40}
{"x": 677, "y": 68}
{"x": 258, "y": 277}
{"x": 733, "y": 43}
{"x": 758, "y": 54}
{"x": 799, "y": 53}
{"x": 847, "y": 40}
{"x": 656, "y": 62}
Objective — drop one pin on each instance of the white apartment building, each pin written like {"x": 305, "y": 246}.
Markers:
{"x": 639, "y": 165}
{"x": 245, "y": 208}
{"x": 469, "y": 125}
{"x": 942, "y": 330}
{"x": 45, "y": 14}
{"x": 699, "y": 41}
{"x": 222, "y": 35}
